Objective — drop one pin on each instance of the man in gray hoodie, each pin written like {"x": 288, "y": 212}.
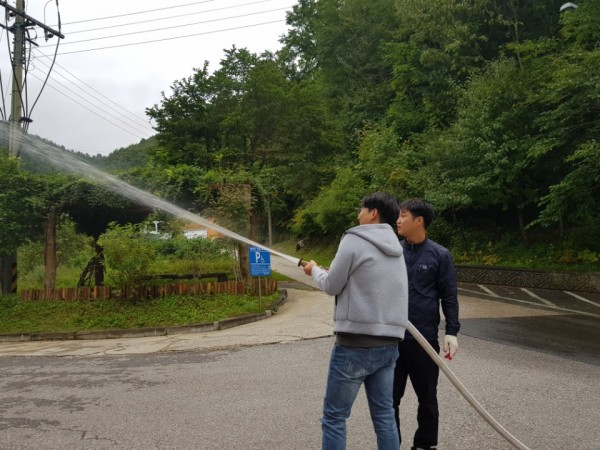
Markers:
{"x": 368, "y": 279}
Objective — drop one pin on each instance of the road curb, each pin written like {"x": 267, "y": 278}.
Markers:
{"x": 149, "y": 332}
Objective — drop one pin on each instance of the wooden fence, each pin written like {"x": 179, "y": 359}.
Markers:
{"x": 67, "y": 294}
{"x": 267, "y": 287}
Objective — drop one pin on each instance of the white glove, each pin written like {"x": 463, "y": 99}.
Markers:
{"x": 450, "y": 346}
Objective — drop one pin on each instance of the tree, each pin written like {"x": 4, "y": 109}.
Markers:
{"x": 570, "y": 121}
{"x": 20, "y": 212}
{"x": 342, "y": 43}
{"x": 333, "y": 210}
{"x": 93, "y": 208}
{"x": 185, "y": 134}
{"x": 488, "y": 154}
{"x": 260, "y": 122}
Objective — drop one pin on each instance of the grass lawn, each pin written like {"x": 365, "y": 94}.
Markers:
{"x": 17, "y": 316}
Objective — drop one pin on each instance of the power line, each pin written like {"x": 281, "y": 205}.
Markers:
{"x": 133, "y": 116}
{"x": 138, "y": 12}
{"x": 162, "y": 19}
{"x": 117, "y": 121}
{"x": 93, "y": 112}
{"x": 28, "y": 113}
{"x": 3, "y": 105}
{"x": 171, "y": 38}
{"x": 130, "y": 123}
{"x": 170, "y": 28}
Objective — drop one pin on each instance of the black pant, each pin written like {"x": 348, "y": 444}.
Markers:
{"x": 415, "y": 363}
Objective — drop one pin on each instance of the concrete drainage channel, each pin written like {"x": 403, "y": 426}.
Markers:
{"x": 147, "y": 332}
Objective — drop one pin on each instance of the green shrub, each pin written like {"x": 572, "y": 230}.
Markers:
{"x": 127, "y": 252}
{"x": 333, "y": 210}
{"x": 192, "y": 256}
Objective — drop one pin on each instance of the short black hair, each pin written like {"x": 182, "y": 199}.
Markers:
{"x": 385, "y": 204}
{"x": 419, "y": 208}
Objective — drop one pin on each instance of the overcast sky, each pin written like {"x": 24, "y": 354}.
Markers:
{"x": 95, "y": 98}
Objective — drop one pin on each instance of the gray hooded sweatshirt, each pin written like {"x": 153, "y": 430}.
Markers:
{"x": 368, "y": 278}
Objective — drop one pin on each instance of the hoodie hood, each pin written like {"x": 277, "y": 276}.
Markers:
{"x": 380, "y": 235}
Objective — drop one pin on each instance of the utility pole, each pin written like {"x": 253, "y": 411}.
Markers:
{"x": 8, "y": 263}
{"x": 17, "y": 83}
{"x": 17, "y": 64}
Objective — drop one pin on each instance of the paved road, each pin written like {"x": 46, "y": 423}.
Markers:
{"x": 564, "y": 323}
{"x": 569, "y": 327}
{"x": 583, "y": 303}
{"x": 260, "y": 386}
{"x": 269, "y": 397}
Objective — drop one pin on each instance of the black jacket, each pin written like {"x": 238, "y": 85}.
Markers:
{"x": 431, "y": 279}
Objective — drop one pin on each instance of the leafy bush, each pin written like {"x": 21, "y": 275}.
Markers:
{"x": 205, "y": 248}
{"x": 127, "y": 252}
{"x": 193, "y": 256}
{"x": 72, "y": 249}
{"x": 441, "y": 231}
{"x": 509, "y": 251}
{"x": 333, "y": 210}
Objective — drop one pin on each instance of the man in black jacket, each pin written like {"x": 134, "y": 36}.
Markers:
{"x": 432, "y": 279}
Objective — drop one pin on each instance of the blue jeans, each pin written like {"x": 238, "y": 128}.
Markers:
{"x": 349, "y": 368}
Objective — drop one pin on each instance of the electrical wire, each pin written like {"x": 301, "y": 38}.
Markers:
{"x": 49, "y": 70}
{"x": 27, "y": 60}
{"x": 171, "y": 38}
{"x": 93, "y": 112}
{"x": 139, "y": 12}
{"x": 162, "y": 19}
{"x": 3, "y": 105}
{"x": 133, "y": 117}
{"x": 132, "y": 126}
{"x": 30, "y": 71}
{"x": 170, "y": 28}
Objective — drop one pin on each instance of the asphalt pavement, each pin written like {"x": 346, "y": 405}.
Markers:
{"x": 535, "y": 367}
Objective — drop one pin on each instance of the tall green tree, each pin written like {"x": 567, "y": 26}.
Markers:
{"x": 343, "y": 43}
{"x": 185, "y": 133}
{"x": 20, "y": 206}
{"x": 487, "y": 157}
{"x": 260, "y": 121}
{"x": 570, "y": 121}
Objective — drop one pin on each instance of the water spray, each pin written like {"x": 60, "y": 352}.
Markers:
{"x": 67, "y": 162}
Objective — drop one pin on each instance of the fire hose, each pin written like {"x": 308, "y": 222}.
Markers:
{"x": 463, "y": 390}
{"x": 458, "y": 385}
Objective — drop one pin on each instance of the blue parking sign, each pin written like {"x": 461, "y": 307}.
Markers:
{"x": 260, "y": 262}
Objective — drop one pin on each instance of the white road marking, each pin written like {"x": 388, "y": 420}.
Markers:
{"x": 489, "y": 291}
{"x": 583, "y": 299}
{"x": 538, "y": 305}
{"x": 537, "y": 297}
